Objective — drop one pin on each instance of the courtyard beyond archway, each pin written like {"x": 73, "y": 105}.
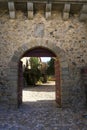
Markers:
{"x": 42, "y": 95}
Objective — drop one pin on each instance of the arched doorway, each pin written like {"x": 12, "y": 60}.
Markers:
{"x": 40, "y": 52}
{"x": 62, "y": 74}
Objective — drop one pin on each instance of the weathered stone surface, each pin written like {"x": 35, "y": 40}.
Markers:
{"x": 12, "y": 14}
{"x": 83, "y": 13}
{"x": 66, "y": 11}
{"x": 66, "y": 8}
{"x": 48, "y": 10}
{"x": 30, "y": 10}
{"x": 30, "y": 15}
{"x": 67, "y": 39}
{"x": 39, "y": 30}
{"x": 48, "y": 15}
{"x": 83, "y": 16}
{"x": 65, "y": 16}
{"x": 29, "y": 6}
{"x": 84, "y": 8}
{"x": 11, "y": 6}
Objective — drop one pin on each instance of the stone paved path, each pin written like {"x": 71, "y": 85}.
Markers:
{"x": 39, "y": 112}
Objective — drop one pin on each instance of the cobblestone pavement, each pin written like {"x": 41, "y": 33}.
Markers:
{"x": 39, "y": 112}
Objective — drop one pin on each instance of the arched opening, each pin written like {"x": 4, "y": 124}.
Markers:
{"x": 40, "y": 52}
{"x": 61, "y": 58}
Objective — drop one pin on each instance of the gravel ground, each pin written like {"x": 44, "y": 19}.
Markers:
{"x": 40, "y": 112}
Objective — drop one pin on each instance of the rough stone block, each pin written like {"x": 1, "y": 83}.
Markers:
{"x": 12, "y": 14}
{"x": 13, "y": 78}
{"x": 83, "y": 16}
{"x": 48, "y": 7}
{"x": 67, "y": 8}
{"x": 65, "y": 16}
{"x": 48, "y": 10}
{"x": 11, "y": 6}
{"x": 65, "y": 72}
{"x": 39, "y": 30}
{"x": 30, "y": 10}
{"x": 30, "y": 14}
{"x": 84, "y": 9}
{"x": 63, "y": 77}
{"x": 64, "y": 65}
{"x": 48, "y": 15}
{"x": 29, "y": 6}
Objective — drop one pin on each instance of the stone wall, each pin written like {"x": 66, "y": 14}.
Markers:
{"x": 70, "y": 36}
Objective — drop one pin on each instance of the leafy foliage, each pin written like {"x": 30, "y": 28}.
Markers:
{"x": 33, "y": 74}
{"x": 50, "y": 69}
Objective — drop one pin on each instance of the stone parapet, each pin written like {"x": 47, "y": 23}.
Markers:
{"x": 83, "y": 13}
{"x": 48, "y": 10}
{"x": 54, "y": 1}
{"x": 66, "y": 11}
{"x": 30, "y": 10}
{"x": 48, "y": 5}
{"x": 11, "y": 8}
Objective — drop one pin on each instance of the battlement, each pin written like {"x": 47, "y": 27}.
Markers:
{"x": 65, "y": 6}
{"x": 47, "y": 1}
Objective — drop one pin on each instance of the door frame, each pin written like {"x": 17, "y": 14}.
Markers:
{"x": 14, "y": 62}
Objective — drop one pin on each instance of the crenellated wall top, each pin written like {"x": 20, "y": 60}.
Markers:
{"x": 47, "y": 1}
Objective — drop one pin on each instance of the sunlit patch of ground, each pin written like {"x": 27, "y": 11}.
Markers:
{"x": 38, "y": 93}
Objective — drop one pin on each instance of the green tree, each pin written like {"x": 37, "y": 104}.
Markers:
{"x": 34, "y": 62}
{"x": 32, "y": 72}
{"x": 35, "y": 72}
{"x": 50, "y": 69}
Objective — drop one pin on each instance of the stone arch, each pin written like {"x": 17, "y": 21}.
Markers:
{"x": 13, "y": 67}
